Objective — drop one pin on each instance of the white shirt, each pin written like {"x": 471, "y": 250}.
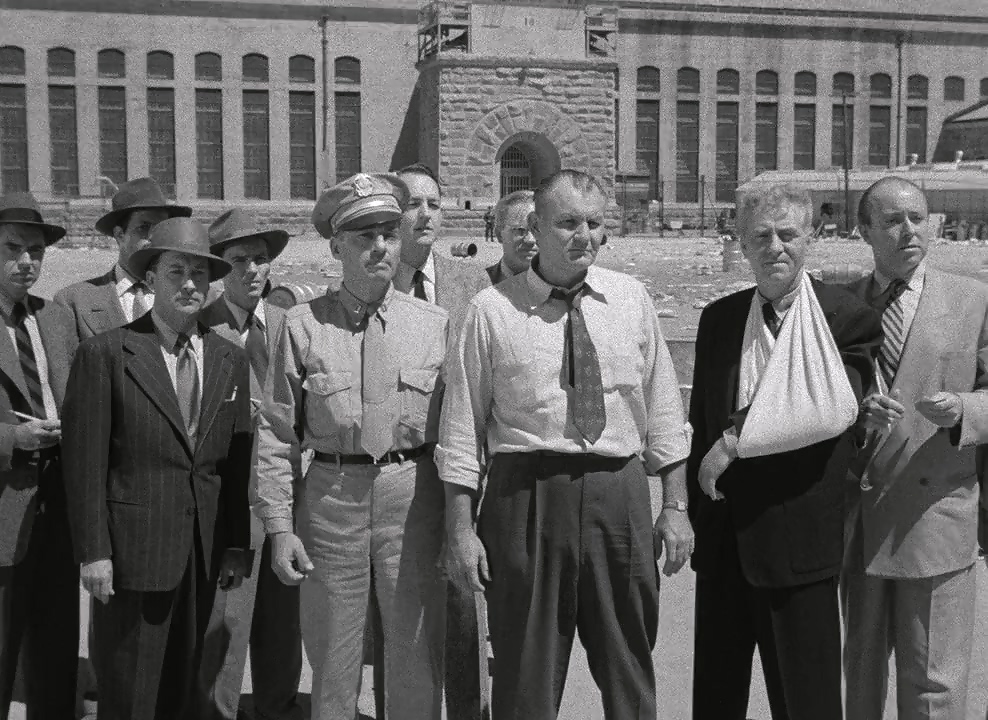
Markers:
{"x": 405, "y": 276}
{"x": 909, "y": 300}
{"x": 241, "y": 316}
{"x": 124, "y": 283}
{"x": 40, "y": 359}
{"x": 168, "y": 338}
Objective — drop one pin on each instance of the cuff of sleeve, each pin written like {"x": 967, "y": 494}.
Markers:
{"x": 456, "y": 471}
{"x": 665, "y": 451}
{"x": 274, "y": 525}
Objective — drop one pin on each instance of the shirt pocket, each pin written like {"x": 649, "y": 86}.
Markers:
{"x": 415, "y": 387}
{"x": 328, "y": 399}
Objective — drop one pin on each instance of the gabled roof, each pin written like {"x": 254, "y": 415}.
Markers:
{"x": 978, "y": 111}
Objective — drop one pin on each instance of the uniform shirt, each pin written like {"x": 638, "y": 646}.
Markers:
{"x": 40, "y": 359}
{"x": 312, "y": 395}
{"x": 167, "y": 338}
{"x": 909, "y": 298}
{"x": 504, "y": 377}
{"x": 405, "y": 276}
{"x": 240, "y": 316}
{"x": 124, "y": 283}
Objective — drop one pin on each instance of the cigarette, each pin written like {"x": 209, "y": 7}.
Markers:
{"x": 29, "y": 418}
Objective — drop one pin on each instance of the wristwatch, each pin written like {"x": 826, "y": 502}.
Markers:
{"x": 678, "y": 505}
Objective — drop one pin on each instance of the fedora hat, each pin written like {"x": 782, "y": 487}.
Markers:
{"x": 183, "y": 235}
{"x": 139, "y": 194}
{"x": 237, "y": 225}
{"x": 360, "y": 201}
{"x": 22, "y": 209}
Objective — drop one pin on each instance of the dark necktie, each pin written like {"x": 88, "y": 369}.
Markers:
{"x": 138, "y": 308}
{"x": 187, "y": 385}
{"x": 582, "y": 368}
{"x": 772, "y": 321}
{"x": 418, "y": 285}
{"x": 29, "y": 364}
{"x": 257, "y": 348}
{"x": 893, "y": 327}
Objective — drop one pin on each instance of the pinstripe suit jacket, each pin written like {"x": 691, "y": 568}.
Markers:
{"x": 139, "y": 490}
{"x": 21, "y": 480}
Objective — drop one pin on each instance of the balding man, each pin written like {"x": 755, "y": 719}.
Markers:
{"x": 908, "y": 582}
{"x": 512, "y": 231}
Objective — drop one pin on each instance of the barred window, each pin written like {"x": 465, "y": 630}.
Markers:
{"x": 255, "y": 68}
{"x": 347, "y": 70}
{"x": 880, "y": 86}
{"x": 953, "y": 89}
{"x": 805, "y": 84}
{"x": 111, "y": 64}
{"x": 917, "y": 87}
{"x": 11, "y": 60}
{"x": 648, "y": 80}
{"x": 766, "y": 82}
{"x": 301, "y": 69}
{"x": 843, "y": 84}
{"x": 64, "y": 141}
{"x": 61, "y": 62}
{"x": 209, "y": 67}
{"x": 161, "y": 65}
{"x": 688, "y": 80}
{"x": 728, "y": 82}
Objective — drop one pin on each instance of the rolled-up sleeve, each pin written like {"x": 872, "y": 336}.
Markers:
{"x": 279, "y": 433}
{"x": 463, "y": 425}
{"x": 668, "y": 435}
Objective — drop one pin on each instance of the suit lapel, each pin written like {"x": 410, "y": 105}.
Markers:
{"x": 218, "y": 317}
{"x": 216, "y": 380}
{"x": 103, "y": 312}
{"x": 727, "y": 364}
{"x": 53, "y": 336}
{"x": 146, "y": 365}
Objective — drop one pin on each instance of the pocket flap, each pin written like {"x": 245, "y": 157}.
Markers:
{"x": 327, "y": 383}
{"x": 422, "y": 379}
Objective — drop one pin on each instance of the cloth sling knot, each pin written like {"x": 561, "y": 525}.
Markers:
{"x": 29, "y": 363}
{"x": 581, "y": 367}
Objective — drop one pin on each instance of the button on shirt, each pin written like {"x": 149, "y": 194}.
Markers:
{"x": 313, "y": 393}
{"x": 405, "y": 278}
{"x": 504, "y": 384}
{"x": 124, "y": 283}
{"x": 40, "y": 359}
{"x": 168, "y": 337}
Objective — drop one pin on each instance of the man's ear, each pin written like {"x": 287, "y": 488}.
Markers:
{"x": 334, "y": 247}
{"x": 118, "y": 235}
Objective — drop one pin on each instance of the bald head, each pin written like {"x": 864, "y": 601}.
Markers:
{"x": 892, "y": 217}
{"x": 890, "y": 184}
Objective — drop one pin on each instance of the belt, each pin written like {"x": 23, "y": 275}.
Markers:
{"x": 392, "y": 456}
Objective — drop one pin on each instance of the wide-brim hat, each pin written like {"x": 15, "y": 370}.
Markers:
{"x": 360, "y": 201}
{"x": 22, "y": 209}
{"x": 179, "y": 234}
{"x": 138, "y": 194}
{"x": 237, "y": 225}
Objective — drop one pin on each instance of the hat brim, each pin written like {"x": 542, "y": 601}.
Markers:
{"x": 109, "y": 221}
{"x": 276, "y": 241}
{"x": 368, "y": 218}
{"x": 141, "y": 260}
{"x": 52, "y": 233}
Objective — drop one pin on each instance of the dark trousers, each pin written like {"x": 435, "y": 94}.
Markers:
{"x": 569, "y": 542}
{"x": 462, "y": 656}
{"x": 148, "y": 647}
{"x": 39, "y": 617}
{"x": 796, "y": 630}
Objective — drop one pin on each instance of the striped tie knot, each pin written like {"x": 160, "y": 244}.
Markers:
{"x": 895, "y": 290}
{"x": 182, "y": 343}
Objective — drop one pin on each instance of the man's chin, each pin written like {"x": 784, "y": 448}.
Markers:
{"x": 425, "y": 240}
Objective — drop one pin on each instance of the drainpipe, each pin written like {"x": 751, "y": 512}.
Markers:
{"x": 898, "y": 102}
{"x": 326, "y": 89}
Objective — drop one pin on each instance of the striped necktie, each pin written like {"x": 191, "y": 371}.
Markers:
{"x": 187, "y": 385}
{"x": 582, "y": 368}
{"x": 893, "y": 326}
{"x": 29, "y": 364}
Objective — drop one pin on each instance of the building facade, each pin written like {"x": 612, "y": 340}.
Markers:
{"x": 230, "y": 101}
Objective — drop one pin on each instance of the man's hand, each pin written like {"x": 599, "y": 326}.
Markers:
{"x": 233, "y": 568}
{"x": 466, "y": 560}
{"x": 712, "y": 466}
{"x": 943, "y": 409}
{"x": 288, "y": 558}
{"x": 97, "y": 578}
{"x": 673, "y": 529}
{"x": 878, "y": 412}
{"x": 37, "y": 434}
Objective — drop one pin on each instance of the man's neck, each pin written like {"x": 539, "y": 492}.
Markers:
{"x": 11, "y": 298}
{"x": 180, "y": 324}
{"x": 248, "y": 304}
{"x": 366, "y": 292}
{"x": 774, "y": 293}
{"x": 560, "y": 280}
{"x": 416, "y": 256}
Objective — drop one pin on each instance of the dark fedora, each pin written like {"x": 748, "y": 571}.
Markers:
{"x": 140, "y": 194}
{"x": 237, "y": 225}
{"x": 22, "y": 209}
{"x": 183, "y": 235}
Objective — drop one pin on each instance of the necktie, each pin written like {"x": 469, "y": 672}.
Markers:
{"x": 418, "y": 285}
{"x": 29, "y": 364}
{"x": 257, "y": 348}
{"x": 582, "y": 368}
{"x": 380, "y": 396}
{"x": 771, "y": 319}
{"x": 893, "y": 326}
{"x": 139, "y": 289}
{"x": 187, "y": 385}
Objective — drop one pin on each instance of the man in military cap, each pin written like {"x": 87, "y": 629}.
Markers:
{"x": 39, "y": 580}
{"x": 119, "y": 296}
{"x": 264, "y": 612}
{"x": 157, "y": 433}
{"x": 355, "y": 376}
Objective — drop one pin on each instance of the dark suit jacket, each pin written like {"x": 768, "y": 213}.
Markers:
{"x": 20, "y": 479}
{"x": 785, "y": 511}
{"x": 138, "y": 490}
{"x": 217, "y": 316}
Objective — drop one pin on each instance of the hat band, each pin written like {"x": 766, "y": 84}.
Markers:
{"x": 367, "y": 206}
{"x": 20, "y": 215}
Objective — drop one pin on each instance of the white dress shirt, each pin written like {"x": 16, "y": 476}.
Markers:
{"x": 405, "y": 277}
{"x": 167, "y": 338}
{"x": 40, "y": 358}
{"x": 241, "y": 316}
{"x": 124, "y": 283}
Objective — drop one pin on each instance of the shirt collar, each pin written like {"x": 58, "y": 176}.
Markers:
{"x": 915, "y": 282}
{"x": 506, "y": 272}
{"x": 241, "y": 316}
{"x": 169, "y": 337}
{"x": 782, "y": 304}
{"x": 541, "y": 290}
{"x": 7, "y": 305}
{"x": 123, "y": 279}
{"x": 357, "y": 310}
{"x": 428, "y": 270}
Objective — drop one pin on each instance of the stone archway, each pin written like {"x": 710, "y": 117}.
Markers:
{"x": 547, "y": 138}
{"x": 525, "y": 159}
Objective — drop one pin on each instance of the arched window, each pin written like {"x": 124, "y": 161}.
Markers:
{"x": 766, "y": 82}
{"x": 648, "y": 79}
{"x": 11, "y": 60}
{"x": 805, "y": 84}
{"x": 917, "y": 87}
{"x": 728, "y": 82}
{"x": 209, "y": 67}
{"x": 843, "y": 84}
{"x": 880, "y": 86}
{"x": 984, "y": 88}
{"x": 688, "y": 80}
{"x": 255, "y": 68}
{"x": 953, "y": 88}
{"x": 347, "y": 70}
{"x": 161, "y": 65}
{"x": 61, "y": 62}
{"x": 110, "y": 64}
{"x": 301, "y": 69}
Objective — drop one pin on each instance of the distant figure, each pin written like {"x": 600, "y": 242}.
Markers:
{"x": 489, "y": 233}
{"x": 511, "y": 229}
